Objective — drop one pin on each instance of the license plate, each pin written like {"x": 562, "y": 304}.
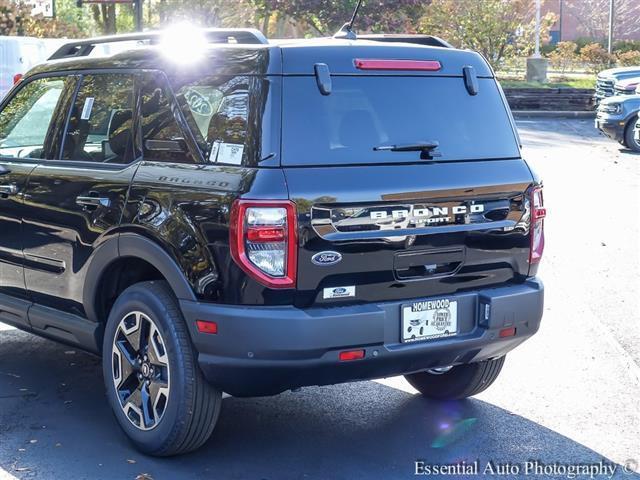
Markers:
{"x": 429, "y": 319}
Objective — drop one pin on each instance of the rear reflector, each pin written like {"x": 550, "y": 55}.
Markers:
{"x": 205, "y": 326}
{"x": 377, "y": 64}
{"x": 507, "y": 332}
{"x": 17, "y": 77}
{"x": 351, "y": 355}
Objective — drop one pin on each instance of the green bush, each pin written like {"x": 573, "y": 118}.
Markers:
{"x": 547, "y": 48}
{"x": 623, "y": 46}
{"x": 584, "y": 41}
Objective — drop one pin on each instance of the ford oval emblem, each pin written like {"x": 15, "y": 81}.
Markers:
{"x": 326, "y": 258}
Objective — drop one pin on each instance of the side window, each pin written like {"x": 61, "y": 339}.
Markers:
{"x": 217, "y": 110}
{"x": 162, "y": 137}
{"x": 100, "y": 125}
{"x": 25, "y": 120}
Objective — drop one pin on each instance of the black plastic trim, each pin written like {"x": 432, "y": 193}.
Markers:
{"x": 13, "y": 311}
{"x": 267, "y": 350}
{"x": 65, "y": 327}
{"x": 103, "y": 255}
{"x": 51, "y": 323}
{"x": 133, "y": 245}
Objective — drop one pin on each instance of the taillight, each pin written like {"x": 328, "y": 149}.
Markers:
{"x": 263, "y": 241}
{"x": 17, "y": 77}
{"x": 538, "y": 213}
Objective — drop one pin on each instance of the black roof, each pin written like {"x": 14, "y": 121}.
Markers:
{"x": 282, "y": 57}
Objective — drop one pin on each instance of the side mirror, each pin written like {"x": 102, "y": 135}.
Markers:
{"x": 175, "y": 145}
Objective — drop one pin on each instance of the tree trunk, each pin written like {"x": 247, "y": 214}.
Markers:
{"x": 110, "y": 18}
{"x": 265, "y": 23}
{"x": 105, "y": 16}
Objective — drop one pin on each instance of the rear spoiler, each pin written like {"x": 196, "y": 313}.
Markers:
{"x": 428, "y": 40}
{"x": 82, "y": 48}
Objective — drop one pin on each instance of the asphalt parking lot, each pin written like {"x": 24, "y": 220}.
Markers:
{"x": 571, "y": 395}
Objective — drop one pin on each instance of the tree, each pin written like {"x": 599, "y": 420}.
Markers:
{"x": 10, "y": 17}
{"x": 495, "y": 28}
{"x": 593, "y": 17}
{"x": 325, "y": 17}
{"x": 564, "y": 56}
{"x": 105, "y": 17}
{"x": 16, "y": 19}
{"x": 209, "y": 13}
{"x": 67, "y": 11}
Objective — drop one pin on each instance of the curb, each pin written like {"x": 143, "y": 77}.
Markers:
{"x": 553, "y": 114}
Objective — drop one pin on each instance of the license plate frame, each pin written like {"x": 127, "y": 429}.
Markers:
{"x": 426, "y": 320}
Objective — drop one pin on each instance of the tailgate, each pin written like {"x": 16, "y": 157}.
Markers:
{"x": 409, "y": 231}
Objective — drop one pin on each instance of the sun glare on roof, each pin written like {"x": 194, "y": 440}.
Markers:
{"x": 183, "y": 43}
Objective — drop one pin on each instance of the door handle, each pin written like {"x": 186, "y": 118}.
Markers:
{"x": 93, "y": 201}
{"x": 10, "y": 189}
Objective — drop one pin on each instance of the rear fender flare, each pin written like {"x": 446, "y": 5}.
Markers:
{"x": 137, "y": 246}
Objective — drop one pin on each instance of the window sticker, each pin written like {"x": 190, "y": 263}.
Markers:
{"x": 230, "y": 153}
{"x": 86, "y": 109}
{"x": 215, "y": 148}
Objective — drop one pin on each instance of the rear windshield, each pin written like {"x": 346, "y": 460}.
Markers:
{"x": 362, "y": 113}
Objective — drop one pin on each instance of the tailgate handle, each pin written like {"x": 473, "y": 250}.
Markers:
{"x": 417, "y": 265}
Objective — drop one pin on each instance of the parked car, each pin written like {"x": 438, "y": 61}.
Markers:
{"x": 616, "y": 117}
{"x": 19, "y": 55}
{"x": 264, "y": 216}
{"x": 605, "y": 83}
{"x": 627, "y": 86}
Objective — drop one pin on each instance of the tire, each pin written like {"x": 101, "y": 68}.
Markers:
{"x": 629, "y": 140}
{"x": 461, "y": 381}
{"x": 166, "y": 407}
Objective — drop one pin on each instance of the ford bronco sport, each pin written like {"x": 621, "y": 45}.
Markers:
{"x": 250, "y": 217}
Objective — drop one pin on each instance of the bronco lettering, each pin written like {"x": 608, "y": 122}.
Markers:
{"x": 426, "y": 212}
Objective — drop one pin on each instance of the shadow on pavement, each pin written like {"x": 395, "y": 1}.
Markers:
{"x": 52, "y": 406}
{"x": 628, "y": 151}
{"x": 541, "y": 133}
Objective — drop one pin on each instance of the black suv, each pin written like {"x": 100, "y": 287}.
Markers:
{"x": 249, "y": 217}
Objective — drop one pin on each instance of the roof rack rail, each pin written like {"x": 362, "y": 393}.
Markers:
{"x": 82, "y": 48}
{"x": 428, "y": 40}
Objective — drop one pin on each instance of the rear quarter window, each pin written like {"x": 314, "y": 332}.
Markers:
{"x": 364, "y": 112}
{"x": 229, "y": 116}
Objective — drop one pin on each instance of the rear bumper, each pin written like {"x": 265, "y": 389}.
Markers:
{"x": 266, "y": 350}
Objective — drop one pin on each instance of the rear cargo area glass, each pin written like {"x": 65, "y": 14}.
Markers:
{"x": 363, "y": 112}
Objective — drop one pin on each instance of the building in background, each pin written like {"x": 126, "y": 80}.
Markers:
{"x": 589, "y": 19}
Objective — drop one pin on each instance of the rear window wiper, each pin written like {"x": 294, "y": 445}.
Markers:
{"x": 426, "y": 149}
